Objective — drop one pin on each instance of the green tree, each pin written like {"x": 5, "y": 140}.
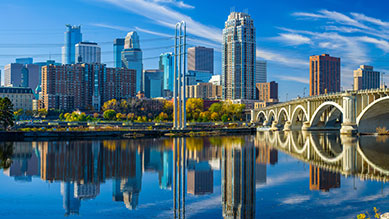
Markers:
{"x": 61, "y": 116}
{"x": 19, "y": 113}
{"x": 42, "y": 113}
{"x": 194, "y": 106}
{"x": 111, "y": 105}
{"x": 109, "y": 114}
{"x": 6, "y": 113}
{"x": 224, "y": 118}
{"x": 6, "y": 151}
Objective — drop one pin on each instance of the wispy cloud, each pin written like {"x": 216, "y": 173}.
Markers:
{"x": 153, "y": 32}
{"x": 295, "y": 199}
{"x": 113, "y": 27}
{"x": 304, "y": 80}
{"x": 282, "y": 59}
{"x": 293, "y": 39}
{"x": 179, "y": 4}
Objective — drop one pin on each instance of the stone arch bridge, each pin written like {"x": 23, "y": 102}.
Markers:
{"x": 351, "y": 112}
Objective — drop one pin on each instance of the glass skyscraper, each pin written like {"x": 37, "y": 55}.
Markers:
{"x": 238, "y": 57}
{"x": 73, "y": 36}
{"x": 118, "y": 46}
{"x": 166, "y": 61}
{"x": 132, "y": 58}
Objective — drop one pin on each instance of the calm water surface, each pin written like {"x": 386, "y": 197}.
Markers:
{"x": 267, "y": 175}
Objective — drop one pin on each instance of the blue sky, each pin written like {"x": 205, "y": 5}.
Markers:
{"x": 288, "y": 32}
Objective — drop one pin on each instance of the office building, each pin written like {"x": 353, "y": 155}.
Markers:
{"x": 71, "y": 204}
{"x": 238, "y": 57}
{"x": 200, "y": 59}
{"x": 153, "y": 83}
{"x": 200, "y": 178}
{"x": 85, "y": 86}
{"x": 195, "y": 77}
{"x": 204, "y": 91}
{"x": 267, "y": 92}
{"x": 238, "y": 181}
{"x": 20, "y": 97}
{"x": 166, "y": 64}
{"x": 38, "y": 89}
{"x": 24, "y": 61}
{"x": 366, "y": 78}
{"x": 21, "y": 75}
{"x": 88, "y": 52}
{"x": 73, "y": 36}
{"x": 260, "y": 71}
{"x": 118, "y": 46}
{"x": 323, "y": 180}
{"x": 324, "y": 76}
{"x": 132, "y": 58}
{"x": 216, "y": 80}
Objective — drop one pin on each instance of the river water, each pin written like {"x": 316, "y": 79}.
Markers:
{"x": 266, "y": 175}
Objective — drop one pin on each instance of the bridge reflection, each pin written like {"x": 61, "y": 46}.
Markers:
{"x": 342, "y": 154}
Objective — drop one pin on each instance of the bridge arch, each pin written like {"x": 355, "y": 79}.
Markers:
{"x": 261, "y": 114}
{"x": 323, "y": 107}
{"x": 283, "y": 110}
{"x": 374, "y": 115}
{"x": 295, "y": 114}
{"x": 320, "y": 153}
{"x": 272, "y": 116}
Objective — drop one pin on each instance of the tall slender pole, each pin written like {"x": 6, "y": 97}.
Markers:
{"x": 175, "y": 177}
{"x": 179, "y": 78}
{"x": 175, "y": 83}
{"x": 183, "y": 80}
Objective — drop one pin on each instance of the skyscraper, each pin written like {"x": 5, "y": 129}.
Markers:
{"x": 21, "y": 75}
{"x": 24, "y": 61}
{"x": 324, "y": 74}
{"x": 118, "y": 46}
{"x": 200, "y": 59}
{"x": 366, "y": 78}
{"x": 132, "y": 57}
{"x": 238, "y": 57}
{"x": 73, "y": 36}
{"x": 88, "y": 52}
{"x": 267, "y": 92}
{"x": 260, "y": 71}
{"x": 166, "y": 62}
{"x": 153, "y": 83}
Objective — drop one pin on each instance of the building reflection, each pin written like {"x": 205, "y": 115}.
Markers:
{"x": 238, "y": 179}
{"x": 323, "y": 180}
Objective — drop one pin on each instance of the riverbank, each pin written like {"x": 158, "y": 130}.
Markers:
{"x": 120, "y": 134}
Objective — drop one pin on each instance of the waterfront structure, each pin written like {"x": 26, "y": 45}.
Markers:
{"x": 24, "y": 61}
{"x": 166, "y": 64}
{"x": 21, "y": 75}
{"x": 73, "y": 36}
{"x": 179, "y": 97}
{"x": 260, "y": 71}
{"x": 238, "y": 57}
{"x": 366, "y": 78}
{"x": 132, "y": 58}
{"x": 118, "y": 46}
{"x": 216, "y": 80}
{"x": 324, "y": 74}
{"x": 153, "y": 83}
{"x": 88, "y": 52}
{"x": 85, "y": 86}
{"x": 200, "y": 59}
{"x": 204, "y": 91}
{"x": 267, "y": 92}
{"x": 351, "y": 111}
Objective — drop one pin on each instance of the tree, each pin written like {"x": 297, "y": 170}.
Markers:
{"x": 6, "y": 151}
{"x": 120, "y": 116}
{"x": 96, "y": 115}
{"x": 224, "y": 118}
{"x": 42, "y": 113}
{"x": 214, "y": 116}
{"x": 19, "y": 113}
{"x": 111, "y": 105}
{"x": 6, "y": 113}
{"x": 194, "y": 106}
{"x": 61, "y": 116}
{"x": 130, "y": 116}
{"x": 109, "y": 114}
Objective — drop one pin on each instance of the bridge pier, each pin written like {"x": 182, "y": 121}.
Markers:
{"x": 349, "y": 126}
{"x": 287, "y": 126}
{"x": 274, "y": 126}
{"x": 306, "y": 126}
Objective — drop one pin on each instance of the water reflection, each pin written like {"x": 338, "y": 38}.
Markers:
{"x": 187, "y": 167}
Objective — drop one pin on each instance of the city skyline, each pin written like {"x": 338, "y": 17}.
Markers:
{"x": 356, "y": 34}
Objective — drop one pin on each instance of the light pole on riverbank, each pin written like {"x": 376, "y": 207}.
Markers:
{"x": 179, "y": 97}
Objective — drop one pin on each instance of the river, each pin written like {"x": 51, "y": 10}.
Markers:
{"x": 266, "y": 175}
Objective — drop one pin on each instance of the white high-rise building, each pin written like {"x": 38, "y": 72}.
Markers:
{"x": 238, "y": 57}
{"x": 260, "y": 71}
{"x": 87, "y": 52}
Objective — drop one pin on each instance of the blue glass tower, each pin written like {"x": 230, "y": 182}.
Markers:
{"x": 118, "y": 46}
{"x": 166, "y": 65}
{"x": 132, "y": 58}
{"x": 73, "y": 36}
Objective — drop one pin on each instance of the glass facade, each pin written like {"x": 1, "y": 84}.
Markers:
{"x": 73, "y": 36}
{"x": 118, "y": 46}
{"x": 166, "y": 64}
{"x": 132, "y": 58}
